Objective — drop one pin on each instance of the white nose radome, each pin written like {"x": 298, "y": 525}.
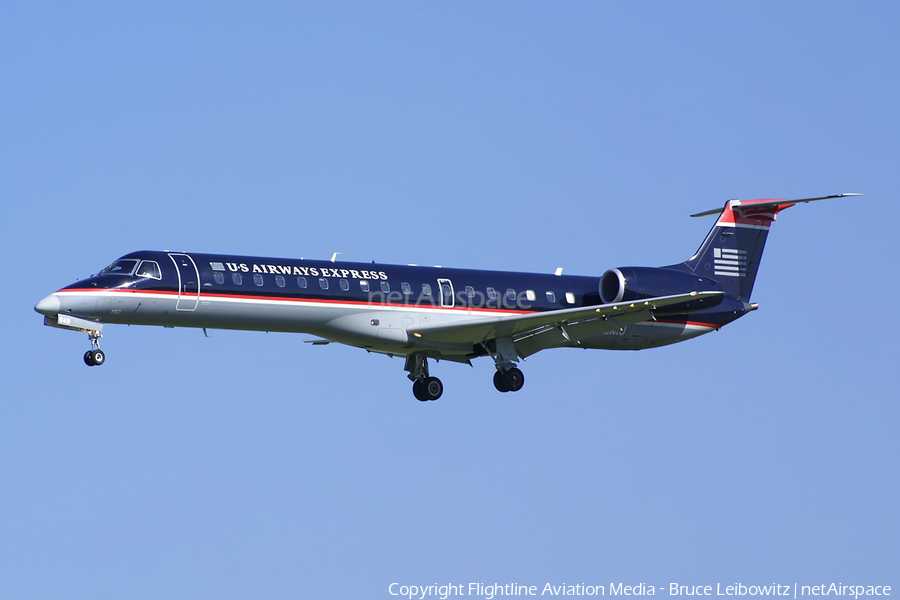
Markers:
{"x": 49, "y": 306}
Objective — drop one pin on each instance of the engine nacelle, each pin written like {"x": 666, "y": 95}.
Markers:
{"x": 630, "y": 284}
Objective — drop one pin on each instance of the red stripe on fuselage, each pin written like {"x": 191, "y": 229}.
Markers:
{"x": 302, "y": 300}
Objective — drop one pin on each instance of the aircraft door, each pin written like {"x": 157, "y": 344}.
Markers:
{"x": 188, "y": 282}
{"x": 446, "y": 292}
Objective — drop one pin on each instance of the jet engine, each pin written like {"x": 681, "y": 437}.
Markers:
{"x": 631, "y": 284}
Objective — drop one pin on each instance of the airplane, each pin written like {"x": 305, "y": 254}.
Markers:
{"x": 422, "y": 313}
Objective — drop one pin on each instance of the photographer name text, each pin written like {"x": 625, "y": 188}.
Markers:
{"x": 490, "y": 591}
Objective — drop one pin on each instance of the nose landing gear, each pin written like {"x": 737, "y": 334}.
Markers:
{"x": 95, "y": 356}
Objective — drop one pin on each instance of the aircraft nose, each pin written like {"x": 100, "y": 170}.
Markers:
{"x": 49, "y": 306}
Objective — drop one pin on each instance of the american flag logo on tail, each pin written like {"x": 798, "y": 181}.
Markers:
{"x": 730, "y": 262}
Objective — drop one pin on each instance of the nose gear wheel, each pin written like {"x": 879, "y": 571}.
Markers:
{"x": 94, "y": 358}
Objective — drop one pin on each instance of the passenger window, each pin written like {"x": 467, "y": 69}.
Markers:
{"x": 323, "y": 283}
{"x": 345, "y": 285}
{"x": 426, "y": 289}
{"x": 149, "y": 268}
{"x": 470, "y": 291}
{"x": 570, "y": 297}
{"x": 237, "y": 279}
{"x": 529, "y": 295}
{"x": 405, "y": 287}
{"x": 279, "y": 280}
{"x": 219, "y": 277}
{"x": 511, "y": 294}
{"x": 491, "y": 293}
{"x": 257, "y": 279}
{"x": 301, "y": 282}
{"x": 385, "y": 287}
{"x": 364, "y": 285}
{"x": 551, "y": 297}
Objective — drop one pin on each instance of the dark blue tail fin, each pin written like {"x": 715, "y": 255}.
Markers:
{"x": 732, "y": 250}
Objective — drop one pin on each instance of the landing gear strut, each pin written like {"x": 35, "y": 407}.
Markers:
{"x": 95, "y": 356}
{"x": 425, "y": 387}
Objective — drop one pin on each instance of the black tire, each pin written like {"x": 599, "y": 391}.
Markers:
{"x": 89, "y": 358}
{"x": 432, "y": 388}
{"x": 514, "y": 379}
{"x": 419, "y": 391}
{"x": 500, "y": 382}
{"x": 98, "y": 357}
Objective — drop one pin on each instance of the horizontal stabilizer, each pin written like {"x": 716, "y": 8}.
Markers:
{"x": 775, "y": 202}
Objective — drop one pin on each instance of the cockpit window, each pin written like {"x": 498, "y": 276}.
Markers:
{"x": 121, "y": 267}
{"x": 149, "y": 268}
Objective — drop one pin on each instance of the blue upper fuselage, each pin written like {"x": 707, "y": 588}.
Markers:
{"x": 365, "y": 283}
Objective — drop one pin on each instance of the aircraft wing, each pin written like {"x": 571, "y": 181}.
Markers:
{"x": 602, "y": 318}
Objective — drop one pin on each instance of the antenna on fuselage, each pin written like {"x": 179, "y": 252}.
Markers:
{"x": 334, "y": 256}
{"x": 558, "y": 271}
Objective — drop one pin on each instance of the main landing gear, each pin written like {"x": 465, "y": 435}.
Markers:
{"x": 425, "y": 387}
{"x": 508, "y": 377}
{"x": 95, "y": 356}
{"x": 509, "y": 380}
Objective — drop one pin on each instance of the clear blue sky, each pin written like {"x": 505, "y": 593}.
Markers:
{"x": 508, "y": 135}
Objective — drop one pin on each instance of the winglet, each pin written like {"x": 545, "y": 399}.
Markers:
{"x": 761, "y": 203}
